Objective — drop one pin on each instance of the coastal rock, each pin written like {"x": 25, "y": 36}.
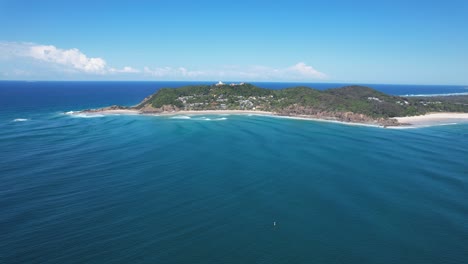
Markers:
{"x": 298, "y": 110}
{"x": 149, "y": 109}
{"x": 108, "y": 108}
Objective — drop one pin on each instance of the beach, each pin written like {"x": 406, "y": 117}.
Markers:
{"x": 217, "y": 112}
{"x": 431, "y": 119}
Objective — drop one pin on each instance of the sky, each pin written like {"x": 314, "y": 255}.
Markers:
{"x": 360, "y": 41}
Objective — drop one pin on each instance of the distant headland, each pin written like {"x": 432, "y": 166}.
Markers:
{"x": 349, "y": 104}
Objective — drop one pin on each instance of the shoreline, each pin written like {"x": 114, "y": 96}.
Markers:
{"x": 217, "y": 112}
{"x": 433, "y": 119}
{"x": 430, "y": 119}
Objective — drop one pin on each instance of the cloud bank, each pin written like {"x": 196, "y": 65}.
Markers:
{"x": 68, "y": 59}
{"x": 72, "y": 61}
{"x": 125, "y": 69}
{"x": 299, "y": 71}
{"x": 73, "y": 58}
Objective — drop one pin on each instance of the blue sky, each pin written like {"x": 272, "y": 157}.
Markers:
{"x": 410, "y": 42}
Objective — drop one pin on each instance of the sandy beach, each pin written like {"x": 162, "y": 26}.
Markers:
{"x": 216, "y": 112}
{"x": 431, "y": 119}
{"x": 201, "y": 112}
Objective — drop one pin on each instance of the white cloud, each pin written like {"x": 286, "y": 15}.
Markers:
{"x": 73, "y": 58}
{"x": 126, "y": 69}
{"x": 297, "y": 72}
{"x": 47, "y": 60}
{"x": 306, "y": 71}
{"x": 68, "y": 59}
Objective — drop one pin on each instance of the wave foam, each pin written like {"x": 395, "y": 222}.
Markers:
{"x": 198, "y": 118}
{"x": 181, "y": 117}
{"x": 87, "y": 116}
{"x": 20, "y": 120}
{"x": 82, "y": 115}
{"x": 432, "y": 95}
{"x": 204, "y": 118}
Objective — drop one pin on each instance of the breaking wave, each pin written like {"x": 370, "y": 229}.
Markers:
{"x": 203, "y": 118}
{"x": 181, "y": 117}
{"x": 20, "y": 120}
{"x": 82, "y": 115}
{"x": 433, "y": 95}
{"x": 86, "y": 115}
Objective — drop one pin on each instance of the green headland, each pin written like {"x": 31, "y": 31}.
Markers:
{"x": 356, "y": 104}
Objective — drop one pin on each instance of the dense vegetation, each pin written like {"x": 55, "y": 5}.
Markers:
{"x": 300, "y": 100}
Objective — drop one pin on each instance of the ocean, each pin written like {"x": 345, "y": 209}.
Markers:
{"x": 222, "y": 188}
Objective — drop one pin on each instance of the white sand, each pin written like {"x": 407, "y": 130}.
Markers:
{"x": 433, "y": 119}
{"x": 217, "y": 112}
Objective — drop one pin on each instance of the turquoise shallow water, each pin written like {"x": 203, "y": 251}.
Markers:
{"x": 208, "y": 189}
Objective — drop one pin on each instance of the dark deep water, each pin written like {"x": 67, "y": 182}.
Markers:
{"x": 207, "y": 189}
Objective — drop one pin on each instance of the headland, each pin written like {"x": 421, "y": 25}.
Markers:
{"x": 357, "y": 105}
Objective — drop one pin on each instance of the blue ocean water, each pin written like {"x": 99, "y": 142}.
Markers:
{"x": 208, "y": 189}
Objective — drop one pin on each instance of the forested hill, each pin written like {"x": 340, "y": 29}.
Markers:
{"x": 297, "y": 101}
